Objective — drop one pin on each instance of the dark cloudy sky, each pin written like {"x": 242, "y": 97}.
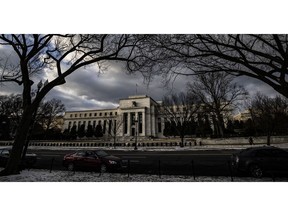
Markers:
{"x": 89, "y": 89}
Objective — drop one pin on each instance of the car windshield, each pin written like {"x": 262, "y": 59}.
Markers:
{"x": 101, "y": 153}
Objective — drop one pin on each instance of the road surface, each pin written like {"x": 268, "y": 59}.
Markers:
{"x": 209, "y": 162}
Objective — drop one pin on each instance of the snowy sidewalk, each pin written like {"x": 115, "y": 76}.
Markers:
{"x": 163, "y": 148}
{"x": 66, "y": 176}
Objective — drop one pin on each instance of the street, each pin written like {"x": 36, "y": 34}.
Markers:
{"x": 208, "y": 163}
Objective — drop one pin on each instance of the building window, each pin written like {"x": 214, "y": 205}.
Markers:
{"x": 85, "y": 114}
{"x": 100, "y": 114}
{"x": 140, "y": 122}
{"x": 76, "y": 115}
{"x": 90, "y": 114}
{"x": 71, "y": 115}
{"x": 115, "y": 127}
{"x": 110, "y": 126}
{"x": 105, "y": 114}
{"x": 159, "y": 125}
{"x": 111, "y": 113}
{"x": 132, "y": 119}
{"x": 104, "y": 127}
{"x": 95, "y": 114}
{"x": 80, "y": 115}
{"x": 125, "y": 123}
{"x": 115, "y": 113}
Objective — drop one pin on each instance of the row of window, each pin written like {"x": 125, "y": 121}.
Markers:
{"x": 91, "y": 114}
{"x": 106, "y": 123}
{"x": 84, "y": 123}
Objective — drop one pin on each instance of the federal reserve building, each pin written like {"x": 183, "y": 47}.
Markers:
{"x": 135, "y": 113}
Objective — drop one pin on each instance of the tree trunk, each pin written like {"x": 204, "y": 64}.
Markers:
{"x": 220, "y": 124}
{"x": 114, "y": 144}
{"x": 268, "y": 138}
{"x": 14, "y": 161}
{"x": 182, "y": 140}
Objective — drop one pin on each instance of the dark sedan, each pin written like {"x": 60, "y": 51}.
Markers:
{"x": 92, "y": 160}
{"x": 30, "y": 158}
{"x": 259, "y": 161}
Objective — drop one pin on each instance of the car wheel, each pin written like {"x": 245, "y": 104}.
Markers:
{"x": 71, "y": 167}
{"x": 256, "y": 171}
{"x": 103, "y": 168}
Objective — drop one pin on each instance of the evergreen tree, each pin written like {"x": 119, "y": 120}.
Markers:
{"x": 89, "y": 132}
{"x": 81, "y": 131}
{"x": 98, "y": 131}
{"x": 73, "y": 132}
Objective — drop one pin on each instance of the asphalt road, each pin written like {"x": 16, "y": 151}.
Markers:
{"x": 207, "y": 163}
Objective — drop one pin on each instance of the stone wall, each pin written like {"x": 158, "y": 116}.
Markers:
{"x": 157, "y": 142}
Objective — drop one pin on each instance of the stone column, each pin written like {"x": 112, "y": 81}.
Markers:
{"x": 153, "y": 121}
{"x": 136, "y": 124}
{"x": 144, "y": 123}
{"x": 129, "y": 124}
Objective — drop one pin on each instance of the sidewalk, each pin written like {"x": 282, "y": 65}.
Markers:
{"x": 163, "y": 148}
{"x": 42, "y": 175}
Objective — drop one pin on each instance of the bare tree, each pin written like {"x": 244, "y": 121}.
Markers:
{"x": 59, "y": 55}
{"x": 263, "y": 57}
{"x": 114, "y": 127}
{"x": 218, "y": 94}
{"x": 11, "y": 107}
{"x": 49, "y": 112}
{"x": 269, "y": 114}
{"x": 180, "y": 110}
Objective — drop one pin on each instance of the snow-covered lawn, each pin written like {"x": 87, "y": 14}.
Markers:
{"x": 158, "y": 148}
{"x": 66, "y": 176}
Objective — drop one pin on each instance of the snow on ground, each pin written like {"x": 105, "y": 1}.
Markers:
{"x": 66, "y": 176}
{"x": 158, "y": 148}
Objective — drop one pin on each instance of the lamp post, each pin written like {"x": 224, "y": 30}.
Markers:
{"x": 136, "y": 131}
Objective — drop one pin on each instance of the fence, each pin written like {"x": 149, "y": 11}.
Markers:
{"x": 161, "y": 169}
{"x": 98, "y": 144}
{"x": 157, "y": 142}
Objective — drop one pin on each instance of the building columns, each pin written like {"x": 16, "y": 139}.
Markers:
{"x": 143, "y": 123}
{"x": 129, "y": 124}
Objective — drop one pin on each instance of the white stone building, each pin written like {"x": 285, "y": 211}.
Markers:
{"x": 141, "y": 108}
{"x": 135, "y": 113}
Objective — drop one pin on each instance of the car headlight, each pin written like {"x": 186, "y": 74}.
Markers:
{"x": 112, "y": 162}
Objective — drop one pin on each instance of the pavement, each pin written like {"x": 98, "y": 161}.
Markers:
{"x": 164, "y": 148}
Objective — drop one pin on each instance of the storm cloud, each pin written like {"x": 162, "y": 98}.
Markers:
{"x": 89, "y": 89}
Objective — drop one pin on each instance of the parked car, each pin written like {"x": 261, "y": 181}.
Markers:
{"x": 30, "y": 158}
{"x": 258, "y": 161}
{"x": 92, "y": 160}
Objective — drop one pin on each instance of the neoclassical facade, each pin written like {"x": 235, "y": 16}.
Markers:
{"x": 135, "y": 113}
